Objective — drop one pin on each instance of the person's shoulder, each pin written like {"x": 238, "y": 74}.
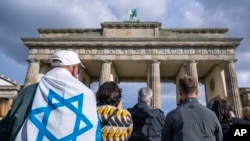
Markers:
{"x": 207, "y": 111}
{"x": 27, "y": 92}
{"x": 155, "y": 112}
{"x": 160, "y": 114}
{"x": 172, "y": 115}
{"x": 32, "y": 85}
{"x": 29, "y": 87}
{"x": 124, "y": 112}
{"x": 173, "y": 112}
{"x": 134, "y": 107}
{"x": 130, "y": 109}
{"x": 87, "y": 89}
{"x": 236, "y": 120}
{"x": 84, "y": 88}
{"x": 159, "y": 111}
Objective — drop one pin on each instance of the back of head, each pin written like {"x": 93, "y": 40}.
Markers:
{"x": 65, "y": 58}
{"x": 144, "y": 95}
{"x": 108, "y": 93}
{"x": 188, "y": 85}
{"x": 222, "y": 110}
{"x": 246, "y": 113}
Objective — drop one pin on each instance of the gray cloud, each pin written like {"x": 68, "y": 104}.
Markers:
{"x": 21, "y": 18}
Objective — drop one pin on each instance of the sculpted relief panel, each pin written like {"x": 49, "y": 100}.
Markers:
{"x": 141, "y": 50}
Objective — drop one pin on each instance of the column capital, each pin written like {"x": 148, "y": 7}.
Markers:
{"x": 155, "y": 61}
{"x": 33, "y": 71}
{"x": 106, "y": 61}
{"x": 231, "y": 61}
{"x": 188, "y": 62}
{"x": 192, "y": 69}
{"x": 192, "y": 61}
{"x": 32, "y": 60}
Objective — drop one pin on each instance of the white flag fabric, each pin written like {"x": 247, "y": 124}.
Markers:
{"x": 63, "y": 110}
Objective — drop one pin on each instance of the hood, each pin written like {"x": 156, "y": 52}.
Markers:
{"x": 141, "y": 111}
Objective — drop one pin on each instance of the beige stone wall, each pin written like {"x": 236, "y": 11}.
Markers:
{"x": 245, "y": 96}
{"x": 5, "y": 83}
{"x": 128, "y": 33}
{"x": 9, "y": 91}
{"x": 118, "y": 43}
{"x": 215, "y": 84}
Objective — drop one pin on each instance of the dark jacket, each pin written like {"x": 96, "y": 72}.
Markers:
{"x": 148, "y": 123}
{"x": 13, "y": 121}
{"x": 191, "y": 121}
{"x": 229, "y": 129}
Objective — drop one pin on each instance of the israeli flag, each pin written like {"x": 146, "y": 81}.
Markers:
{"x": 63, "y": 110}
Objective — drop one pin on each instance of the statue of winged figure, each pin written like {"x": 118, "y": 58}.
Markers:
{"x": 132, "y": 15}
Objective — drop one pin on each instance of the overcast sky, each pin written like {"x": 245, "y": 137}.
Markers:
{"x": 21, "y": 18}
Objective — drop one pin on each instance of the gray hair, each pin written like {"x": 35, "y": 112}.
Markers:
{"x": 145, "y": 94}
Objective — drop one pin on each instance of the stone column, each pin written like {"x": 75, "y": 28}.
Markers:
{"x": 32, "y": 73}
{"x": 233, "y": 96}
{"x": 85, "y": 78}
{"x": 114, "y": 75}
{"x": 105, "y": 72}
{"x": 182, "y": 72}
{"x": 192, "y": 69}
{"x": 154, "y": 83}
{"x": 245, "y": 96}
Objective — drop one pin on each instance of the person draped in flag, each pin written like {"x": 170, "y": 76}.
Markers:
{"x": 62, "y": 107}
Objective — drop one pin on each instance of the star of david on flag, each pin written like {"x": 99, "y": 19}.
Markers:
{"x": 55, "y": 102}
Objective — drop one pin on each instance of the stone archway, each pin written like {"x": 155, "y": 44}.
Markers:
{"x": 144, "y": 51}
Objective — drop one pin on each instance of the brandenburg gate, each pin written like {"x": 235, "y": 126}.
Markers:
{"x": 144, "y": 52}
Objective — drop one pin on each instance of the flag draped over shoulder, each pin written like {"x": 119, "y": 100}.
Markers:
{"x": 63, "y": 109}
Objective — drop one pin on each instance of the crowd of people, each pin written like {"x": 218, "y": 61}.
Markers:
{"x": 60, "y": 107}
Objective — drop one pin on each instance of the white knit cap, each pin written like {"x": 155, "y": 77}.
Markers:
{"x": 66, "y": 58}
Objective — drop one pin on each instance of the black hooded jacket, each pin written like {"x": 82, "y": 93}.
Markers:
{"x": 228, "y": 130}
{"x": 147, "y": 122}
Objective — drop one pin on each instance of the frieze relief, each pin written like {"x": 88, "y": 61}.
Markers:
{"x": 142, "y": 51}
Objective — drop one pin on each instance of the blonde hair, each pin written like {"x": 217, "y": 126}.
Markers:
{"x": 246, "y": 113}
{"x": 4, "y": 106}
